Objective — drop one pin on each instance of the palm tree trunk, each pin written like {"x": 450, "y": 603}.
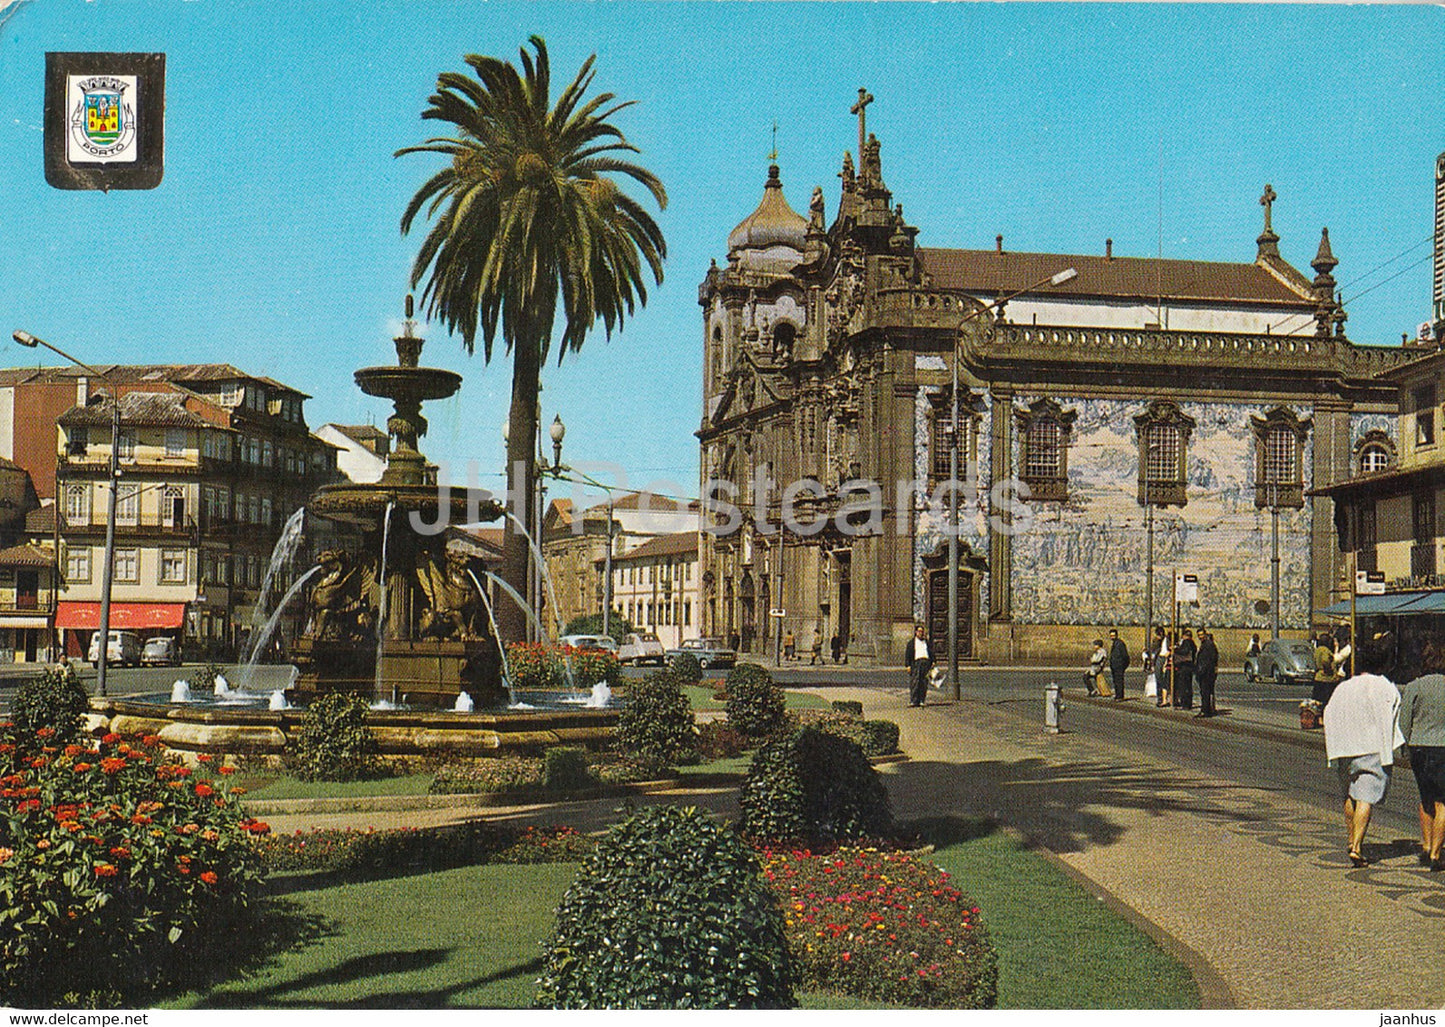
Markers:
{"x": 521, "y": 483}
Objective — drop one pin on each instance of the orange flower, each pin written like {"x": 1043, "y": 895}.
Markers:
{"x": 81, "y": 768}
{"x": 112, "y": 764}
{"x": 226, "y": 770}
{"x": 5, "y": 854}
{"x": 209, "y": 877}
{"x": 205, "y": 757}
{"x": 44, "y": 843}
{"x": 105, "y": 870}
{"x": 110, "y": 739}
{"x": 204, "y": 790}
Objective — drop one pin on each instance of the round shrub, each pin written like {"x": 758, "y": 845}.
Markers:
{"x": 813, "y": 787}
{"x": 334, "y": 743}
{"x": 669, "y": 912}
{"x": 849, "y": 708}
{"x": 686, "y": 668}
{"x": 755, "y": 705}
{"x": 567, "y": 768}
{"x": 54, "y": 700}
{"x": 656, "y": 722}
{"x": 119, "y": 871}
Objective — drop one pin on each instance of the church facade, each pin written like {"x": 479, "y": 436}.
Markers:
{"x": 1140, "y": 419}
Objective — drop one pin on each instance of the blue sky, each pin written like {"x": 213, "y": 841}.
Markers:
{"x": 273, "y": 242}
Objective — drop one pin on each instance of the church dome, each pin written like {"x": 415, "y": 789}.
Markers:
{"x": 774, "y": 223}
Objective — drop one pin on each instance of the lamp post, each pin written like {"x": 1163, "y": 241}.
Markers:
{"x": 1059, "y": 278}
{"x": 556, "y": 432}
{"x": 107, "y": 575}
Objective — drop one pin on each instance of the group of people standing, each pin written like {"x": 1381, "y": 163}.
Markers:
{"x": 1175, "y": 667}
{"x": 1368, "y": 718}
{"x": 838, "y": 645}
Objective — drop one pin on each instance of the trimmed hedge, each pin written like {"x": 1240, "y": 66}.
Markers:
{"x": 334, "y": 743}
{"x": 669, "y": 912}
{"x": 813, "y": 787}
{"x": 656, "y": 723}
{"x": 53, "y": 700}
{"x": 686, "y": 669}
{"x": 755, "y": 705}
{"x": 874, "y": 737}
{"x": 849, "y": 708}
{"x": 567, "y": 769}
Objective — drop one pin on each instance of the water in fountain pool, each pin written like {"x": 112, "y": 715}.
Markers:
{"x": 464, "y": 703}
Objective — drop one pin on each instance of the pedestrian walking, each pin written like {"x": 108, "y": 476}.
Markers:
{"x": 817, "y": 647}
{"x": 1422, "y": 723}
{"x": 1184, "y": 654}
{"x": 1118, "y": 662}
{"x": 918, "y": 658}
{"x": 1362, "y": 732}
{"x": 1094, "y": 676}
{"x": 790, "y": 646}
{"x": 836, "y": 644}
{"x": 1206, "y": 670}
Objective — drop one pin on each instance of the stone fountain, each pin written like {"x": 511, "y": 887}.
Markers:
{"x": 399, "y": 618}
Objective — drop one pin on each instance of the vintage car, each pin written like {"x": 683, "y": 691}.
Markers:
{"x": 1282, "y": 660}
{"x": 709, "y": 652}
{"x": 642, "y": 647}
{"x": 590, "y": 642}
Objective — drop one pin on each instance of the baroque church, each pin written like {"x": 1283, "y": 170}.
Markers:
{"x": 1143, "y": 418}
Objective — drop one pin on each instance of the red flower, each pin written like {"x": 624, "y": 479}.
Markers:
{"x": 204, "y": 790}
{"x": 112, "y": 764}
{"x": 105, "y": 870}
{"x": 226, "y": 770}
{"x": 209, "y": 877}
{"x": 110, "y": 739}
{"x": 81, "y": 768}
{"x": 44, "y": 732}
{"x": 205, "y": 757}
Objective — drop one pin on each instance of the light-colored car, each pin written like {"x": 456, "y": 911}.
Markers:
{"x": 709, "y": 652}
{"x": 589, "y": 642}
{"x": 160, "y": 651}
{"x": 1282, "y": 660}
{"x": 642, "y": 647}
{"x": 124, "y": 649}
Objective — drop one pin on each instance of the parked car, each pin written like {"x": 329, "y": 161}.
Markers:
{"x": 709, "y": 652}
{"x": 1282, "y": 660}
{"x": 124, "y": 649}
{"x": 160, "y": 652}
{"x": 642, "y": 647}
{"x": 590, "y": 642}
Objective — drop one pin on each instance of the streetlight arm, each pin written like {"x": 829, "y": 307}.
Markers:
{"x": 1068, "y": 274}
{"x": 30, "y": 341}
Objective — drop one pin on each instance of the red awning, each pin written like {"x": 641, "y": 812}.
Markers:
{"x": 123, "y": 616}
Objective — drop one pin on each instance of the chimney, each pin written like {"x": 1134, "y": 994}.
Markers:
{"x": 1108, "y": 249}
{"x": 998, "y": 244}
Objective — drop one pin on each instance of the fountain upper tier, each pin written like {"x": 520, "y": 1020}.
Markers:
{"x": 418, "y": 383}
{"x": 365, "y": 505}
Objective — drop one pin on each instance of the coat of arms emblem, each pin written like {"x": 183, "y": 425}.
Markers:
{"x": 102, "y": 118}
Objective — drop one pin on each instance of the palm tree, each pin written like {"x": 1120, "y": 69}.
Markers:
{"x": 527, "y": 210}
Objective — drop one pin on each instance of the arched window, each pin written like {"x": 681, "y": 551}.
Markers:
{"x": 1374, "y": 458}
{"x": 784, "y": 335}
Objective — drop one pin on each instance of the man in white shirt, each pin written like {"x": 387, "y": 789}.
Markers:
{"x": 919, "y": 660}
{"x": 1361, "y": 736}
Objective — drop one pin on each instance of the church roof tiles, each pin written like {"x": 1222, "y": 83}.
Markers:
{"x": 989, "y": 271}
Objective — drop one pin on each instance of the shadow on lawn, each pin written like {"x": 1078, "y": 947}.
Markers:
{"x": 1064, "y": 807}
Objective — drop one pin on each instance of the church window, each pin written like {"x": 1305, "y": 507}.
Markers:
{"x": 1279, "y": 459}
{"x": 1044, "y": 432}
{"x": 1163, "y": 436}
{"x": 1374, "y": 458}
{"x": 941, "y": 444}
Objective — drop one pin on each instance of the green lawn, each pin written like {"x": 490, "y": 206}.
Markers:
{"x": 471, "y": 937}
{"x": 701, "y": 697}
{"x": 1060, "y": 947}
{"x": 282, "y": 786}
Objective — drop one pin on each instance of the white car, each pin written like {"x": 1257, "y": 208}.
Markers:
{"x": 589, "y": 642}
{"x": 642, "y": 647}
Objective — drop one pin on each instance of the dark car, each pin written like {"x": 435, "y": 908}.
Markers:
{"x": 1282, "y": 660}
{"x": 709, "y": 652}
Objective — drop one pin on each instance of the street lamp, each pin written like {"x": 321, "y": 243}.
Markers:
{"x": 1059, "y": 278}
{"x": 102, "y": 650}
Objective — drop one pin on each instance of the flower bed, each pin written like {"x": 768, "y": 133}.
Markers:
{"x": 117, "y": 867}
{"x": 542, "y": 667}
{"x": 882, "y": 925}
{"x": 403, "y": 849}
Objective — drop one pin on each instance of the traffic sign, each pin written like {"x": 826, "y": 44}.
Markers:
{"x": 1369, "y": 583}
{"x": 1186, "y": 588}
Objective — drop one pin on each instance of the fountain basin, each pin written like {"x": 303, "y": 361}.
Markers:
{"x": 365, "y": 505}
{"x": 255, "y": 730}
{"x": 421, "y": 383}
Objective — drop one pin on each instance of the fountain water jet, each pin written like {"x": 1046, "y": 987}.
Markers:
{"x": 281, "y": 556}
{"x": 501, "y": 646}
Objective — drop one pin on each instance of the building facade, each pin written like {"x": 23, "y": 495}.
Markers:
{"x": 1146, "y": 417}
{"x": 213, "y": 464}
{"x": 655, "y": 586}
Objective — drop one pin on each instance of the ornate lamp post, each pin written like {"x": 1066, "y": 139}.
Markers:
{"x": 1066, "y": 275}
{"x": 107, "y": 574}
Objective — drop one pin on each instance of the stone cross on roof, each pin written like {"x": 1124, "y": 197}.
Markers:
{"x": 861, "y": 109}
{"x": 1268, "y": 241}
{"x": 1267, "y": 201}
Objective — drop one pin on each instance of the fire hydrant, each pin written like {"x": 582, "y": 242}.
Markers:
{"x": 1053, "y": 707}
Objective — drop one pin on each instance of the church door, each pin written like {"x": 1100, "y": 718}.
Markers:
{"x": 938, "y": 614}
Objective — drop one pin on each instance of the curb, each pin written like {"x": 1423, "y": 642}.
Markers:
{"x": 1139, "y": 708}
{"x": 477, "y": 800}
{"x": 1214, "y": 991}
